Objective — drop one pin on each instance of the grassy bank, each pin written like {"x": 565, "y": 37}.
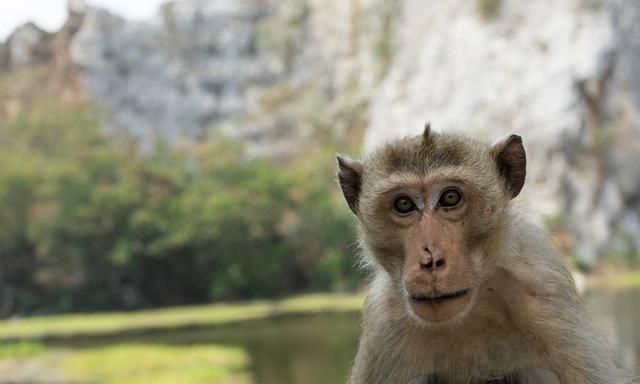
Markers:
{"x": 125, "y": 363}
{"x": 160, "y": 364}
{"x": 105, "y": 324}
{"x": 22, "y": 353}
{"x": 613, "y": 280}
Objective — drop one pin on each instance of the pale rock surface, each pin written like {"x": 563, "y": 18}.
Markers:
{"x": 522, "y": 71}
{"x": 280, "y": 75}
{"x": 254, "y": 70}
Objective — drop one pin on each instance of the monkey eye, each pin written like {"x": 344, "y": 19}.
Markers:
{"x": 404, "y": 204}
{"x": 450, "y": 198}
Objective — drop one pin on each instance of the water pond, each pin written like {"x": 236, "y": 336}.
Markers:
{"x": 319, "y": 349}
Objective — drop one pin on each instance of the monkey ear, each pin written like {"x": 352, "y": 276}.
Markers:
{"x": 512, "y": 163}
{"x": 350, "y": 178}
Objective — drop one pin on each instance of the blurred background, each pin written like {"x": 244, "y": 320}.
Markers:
{"x": 168, "y": 205}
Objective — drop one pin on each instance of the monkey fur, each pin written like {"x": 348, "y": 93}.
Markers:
{"x": 465, "y": 289}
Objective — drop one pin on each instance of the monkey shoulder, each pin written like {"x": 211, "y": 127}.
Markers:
{"x": 530, "y": 262}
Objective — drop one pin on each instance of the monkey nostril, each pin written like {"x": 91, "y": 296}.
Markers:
{"x": 431, "y": 261}
{"x": 427, "y": 262}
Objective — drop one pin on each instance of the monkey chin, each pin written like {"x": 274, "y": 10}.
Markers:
{"x": 440, "y": 309}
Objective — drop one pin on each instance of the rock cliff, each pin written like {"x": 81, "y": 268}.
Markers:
{"x": 280, "y": 75}
{"x": 249, "y": 69}
{"x": 565, "y": 75}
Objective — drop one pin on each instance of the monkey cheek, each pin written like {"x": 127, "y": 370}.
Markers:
{"x": 439, "y": 311}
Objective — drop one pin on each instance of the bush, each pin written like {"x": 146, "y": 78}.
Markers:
{"x": 88, "y": 223}
{"x": 489, "y": 9}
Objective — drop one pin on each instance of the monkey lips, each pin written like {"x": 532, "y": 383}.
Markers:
{"x": 440, "y": 306}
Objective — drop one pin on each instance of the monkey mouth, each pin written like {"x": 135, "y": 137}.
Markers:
{"x": 436, "y": 298}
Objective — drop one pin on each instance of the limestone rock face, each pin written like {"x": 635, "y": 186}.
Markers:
{"x": 246, "y": 68}
{"x": 564, "y": 75}
{"x": 279, "y": 75}
{"x": 177, "y": 73}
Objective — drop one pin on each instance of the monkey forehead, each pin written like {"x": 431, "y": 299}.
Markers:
{"x": 420, "y": 181}
{"x": 417, "y": 155}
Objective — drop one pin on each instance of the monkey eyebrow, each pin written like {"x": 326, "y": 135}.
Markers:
{"x": 398, "y": 188}
{"x": 396, "y": 183}
{"x": 418, "y": 184}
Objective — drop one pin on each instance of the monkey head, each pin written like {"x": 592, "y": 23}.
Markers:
{"x": 428, "y": 208}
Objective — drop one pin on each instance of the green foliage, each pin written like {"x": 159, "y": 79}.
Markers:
{"x": 489, "y": 9}
{"x": 554, "y": 221}
{"x": 383, "y": 44}
{"x": 112, "y": 323}
{"x": 622, "y": 253}
{"x": 382, "y": 50}
{"x": 581, "y": 265}
{"x": 141, "y": 363}
{"x": 619, "y": 280}
{"x": 88, "y": 223}
{"x": 20, "y": 350}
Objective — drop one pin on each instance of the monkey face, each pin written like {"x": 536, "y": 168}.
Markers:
{"x": 430, "y": 216}
{"x": 427, "y": 231}
{"x": 427, "y": 206}
{"x": 435, "y": 276}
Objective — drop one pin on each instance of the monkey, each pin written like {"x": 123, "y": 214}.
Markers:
{"x": 464, "y": 287}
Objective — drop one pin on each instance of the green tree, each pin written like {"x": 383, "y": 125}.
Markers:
{"x": 90, "y": 222}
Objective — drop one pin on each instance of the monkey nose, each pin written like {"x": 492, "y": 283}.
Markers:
{"x": 431, "y": 260}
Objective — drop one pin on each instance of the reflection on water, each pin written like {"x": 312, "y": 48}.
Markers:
{"x": 310, "y": 349}
{"x": 319, "y": 349}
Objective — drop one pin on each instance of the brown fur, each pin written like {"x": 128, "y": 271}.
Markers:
{"x": 522, "y": 311}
